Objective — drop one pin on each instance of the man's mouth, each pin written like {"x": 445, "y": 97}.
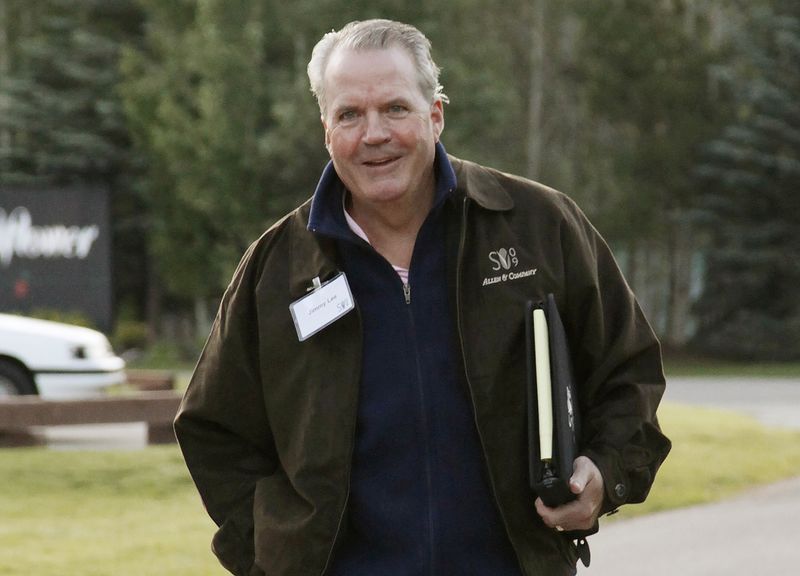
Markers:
{"x": 380, "y": 161}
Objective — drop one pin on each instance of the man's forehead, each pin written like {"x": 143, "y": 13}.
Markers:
{"x": 347, "y": 59}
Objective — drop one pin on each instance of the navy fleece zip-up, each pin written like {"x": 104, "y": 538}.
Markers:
{"x": 420, "y": 502}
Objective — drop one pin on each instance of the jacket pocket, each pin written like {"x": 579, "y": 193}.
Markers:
{"x": 287, "y": 529}
{"x": 232, "y": 544}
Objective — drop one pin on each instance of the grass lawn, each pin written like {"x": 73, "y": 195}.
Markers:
{"x": 715, "y": 454}
{"x": 136, "y": 513}
{"x": 101, "y": 514}
{"x": 686, "y": 364}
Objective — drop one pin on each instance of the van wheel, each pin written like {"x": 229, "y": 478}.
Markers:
{"x": 14, "y": 380}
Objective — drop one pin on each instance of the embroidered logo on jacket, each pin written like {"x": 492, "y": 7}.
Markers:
{"x": 506, "y": 260}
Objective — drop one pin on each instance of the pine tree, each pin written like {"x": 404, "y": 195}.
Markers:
{"x": 61, "y": 118}
{"x": 645, "y": 75}
{"x": 194, "y": 95}
{"x": 751, "y": 304}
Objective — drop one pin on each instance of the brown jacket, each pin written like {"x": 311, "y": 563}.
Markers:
{"x": 267, "y": 424}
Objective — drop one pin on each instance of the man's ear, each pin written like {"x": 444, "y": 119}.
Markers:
{"x": 327, "y": 135}
{"x": 437, "y": 118}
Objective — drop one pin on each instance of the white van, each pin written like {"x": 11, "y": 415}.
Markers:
{"x": 55, "y": 360}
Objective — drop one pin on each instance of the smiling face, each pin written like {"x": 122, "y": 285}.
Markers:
{"x": 380, "y": 130}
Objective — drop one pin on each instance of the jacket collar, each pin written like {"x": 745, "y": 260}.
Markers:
{"x": 314, "y": 255}
{"x": 327, "y": 215}
{"x": 481, "y": 185}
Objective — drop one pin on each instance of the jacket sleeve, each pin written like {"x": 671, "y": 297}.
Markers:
{"x": 222, "y": 426}
{"x": 617, "y": 362}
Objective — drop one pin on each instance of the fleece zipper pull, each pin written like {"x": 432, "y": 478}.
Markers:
{"x": 407, "y": 292}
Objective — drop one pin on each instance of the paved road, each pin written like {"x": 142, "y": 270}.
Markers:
{"x": 750, "y": 535}
{"x": 128, "y": 436}
{"x": 773, "y": 401}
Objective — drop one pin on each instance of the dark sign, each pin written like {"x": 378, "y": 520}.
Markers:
{"x": 55, "y": 252}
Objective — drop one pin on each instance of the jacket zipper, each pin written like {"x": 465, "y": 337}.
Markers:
{"x": 407, "y": 296}
{"x": 349, "y": 470}
{"x": 424, "y": 424}
{"x": 425, "y": 429}
{"x": 461, "y": 245}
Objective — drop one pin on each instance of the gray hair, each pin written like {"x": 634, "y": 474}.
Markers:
{"x": 371, "y": 35}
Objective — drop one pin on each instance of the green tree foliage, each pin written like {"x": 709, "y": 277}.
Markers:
{"x": 61, "y": 119}
{"x": 195, "y": 97}
{"x": 645, "y": 68}
{"x": 60, "y": 115}
{"x": 218, "y": 101}
{"x": 646, "y": 71}
{"x": 607, "y": 101}
{"x": 751, "y": 174}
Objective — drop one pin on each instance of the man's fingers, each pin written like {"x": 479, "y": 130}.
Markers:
{"x": 546, "y": 512}
{"x": 550, "y": 516}
{"x": 580, "y": 514}
{"x": 566, "y": 517}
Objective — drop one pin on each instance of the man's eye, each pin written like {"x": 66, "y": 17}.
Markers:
{"x": 348, "y": 116}
{"x": 397, "y": 111}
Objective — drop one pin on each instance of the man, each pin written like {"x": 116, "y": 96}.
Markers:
{"x": 388, "y": 436}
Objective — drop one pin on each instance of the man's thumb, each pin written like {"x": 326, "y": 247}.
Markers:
{"x": 580, "y": 476}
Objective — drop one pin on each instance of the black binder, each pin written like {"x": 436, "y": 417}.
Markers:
{"x": 550, "y": 480}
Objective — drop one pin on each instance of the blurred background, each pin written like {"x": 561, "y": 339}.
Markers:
{"x": 144, "y": 144}
{"x": 171, "y": 134}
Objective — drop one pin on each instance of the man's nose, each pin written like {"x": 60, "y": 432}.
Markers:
{"x": 376, "y": 129}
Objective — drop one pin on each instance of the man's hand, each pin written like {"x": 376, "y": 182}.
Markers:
{"x": 580, "y": 514}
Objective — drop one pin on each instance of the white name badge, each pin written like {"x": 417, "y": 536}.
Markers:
{"x": 325, "y": 305}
